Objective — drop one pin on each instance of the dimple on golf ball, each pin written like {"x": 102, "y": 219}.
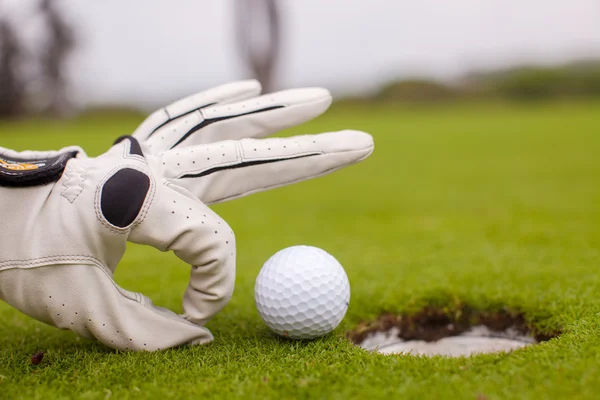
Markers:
{"x": 302, "y": 292}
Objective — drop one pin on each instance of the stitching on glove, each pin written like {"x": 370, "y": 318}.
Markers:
{"x": 44, "y": 261}
{"x": 123, "y": 196}
{"x": 49, "y": 261}
{"x": 181, "y": 171}
{"x": 128, "y": 150}
{"x": 179, "y": 117}
{"x": 208, "y": 121}
{"x": 73, "y": 182}
{"x": 245, "y": 164}
{"x": 143, "y": 212}
{"x": 240, "y": 151}
{"x": 236, "y": 196}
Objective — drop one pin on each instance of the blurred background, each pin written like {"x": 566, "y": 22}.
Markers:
{"x": 63, "y": 57}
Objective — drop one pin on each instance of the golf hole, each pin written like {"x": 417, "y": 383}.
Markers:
{"x": 441, "y": 332}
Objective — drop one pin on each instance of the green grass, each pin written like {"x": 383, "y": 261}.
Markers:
{"x": 486, "y": 205}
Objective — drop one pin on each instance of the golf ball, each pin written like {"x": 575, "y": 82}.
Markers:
{"x": 302, "y": 292}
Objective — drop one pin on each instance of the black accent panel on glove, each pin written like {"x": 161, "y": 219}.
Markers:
{"x": 123, "y": 196}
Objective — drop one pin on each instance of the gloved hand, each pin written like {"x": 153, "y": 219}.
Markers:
{"x": 66, "y": 217}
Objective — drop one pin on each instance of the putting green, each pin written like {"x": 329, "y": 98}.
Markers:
{"x": 488, "y": 206}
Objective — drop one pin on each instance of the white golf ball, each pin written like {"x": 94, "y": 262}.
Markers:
{"x": 302, "y": 292}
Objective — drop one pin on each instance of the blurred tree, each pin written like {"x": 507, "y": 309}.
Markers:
{"x": 579, "y": 79}
{"x": 416, "y": 91}
{"x": 12, "y": 86}
{"x": 60, "y": 42}
{"x": 258, "y": 24}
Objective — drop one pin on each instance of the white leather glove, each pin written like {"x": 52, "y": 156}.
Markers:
{"x": 66, "y": 218}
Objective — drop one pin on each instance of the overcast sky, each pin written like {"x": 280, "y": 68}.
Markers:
{"x": 149, "y": 51}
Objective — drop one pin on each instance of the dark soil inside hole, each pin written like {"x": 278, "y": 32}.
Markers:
{"x": 432, "y": 324}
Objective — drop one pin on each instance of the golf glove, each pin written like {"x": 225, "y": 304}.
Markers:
{"x": 66, "y": 217}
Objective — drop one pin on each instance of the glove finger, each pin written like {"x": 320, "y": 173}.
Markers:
{"x": 256, "y": 117}
{"x": 227, "y": 170}
{"x": 85, "y": 299}
{"x": 178, "y": 222}
{"x": 223, "y": 94}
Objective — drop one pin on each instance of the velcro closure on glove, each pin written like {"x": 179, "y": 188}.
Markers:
{"x": 20, "y": 172}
